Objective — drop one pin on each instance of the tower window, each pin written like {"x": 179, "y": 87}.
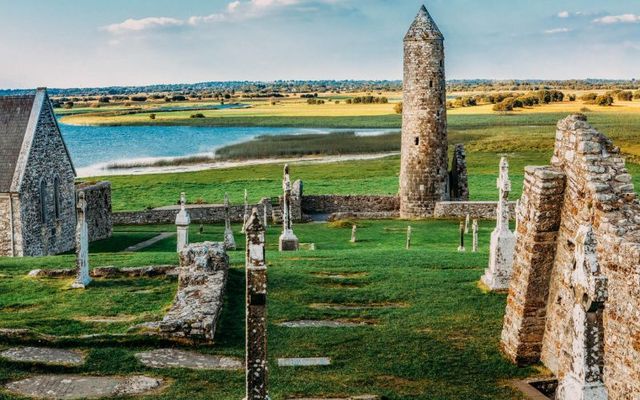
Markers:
{"x": 43, "y": 201}
{"x": 430, "y": 84}
{"x": 441, "y": 63}
{"x": 56, "y": 196}
{"x": 417, "y": 140}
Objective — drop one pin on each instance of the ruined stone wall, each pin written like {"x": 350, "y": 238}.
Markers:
{"x": 206, "y": 214}
{"x": 424, "y": 175}
{"x": 327, "y": 204}
{"x": 596, "y": 190}
{"x": 5, "y": 226}
{"x": 47, "y": 160}
{"x": 475, "y": 209}
{"x": 98, "y": 198}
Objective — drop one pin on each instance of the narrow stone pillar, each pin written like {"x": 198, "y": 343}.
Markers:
{"x": 353, "y": 234}
{"x": 182, "y": 224}
{"x": 467, "y": 221}
{"x": 256, "y": 311}
{"x": 503, "y": 241}
{"x": 288, "y": 240}
{"x": 408, "y": 245}
{"x": 538, "y": 223}
{"x": 585, "y": 378}
{"x": 245, "y": 216}
{"x": 82, "y": 245}
{"x": 229, "y": 240}
{"x": 475, "y": 236}
{"x": 461, "y": 248}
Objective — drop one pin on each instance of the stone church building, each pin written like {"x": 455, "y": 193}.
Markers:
{"x": 37, "y": 192}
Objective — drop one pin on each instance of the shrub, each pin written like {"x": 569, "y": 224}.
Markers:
{"x": 572, "y": 97}
{"x": 152, "y": 116}
{"x": 625, "y": 96}
{"x": 104, "y": 99}
{"x": 589, "y": 97}
{"x": 312, "y": 101}
{"x": 585, "y": 109}
{"x": 178, "y": 98}
{"x": 349, "y": 101}
{"x": 604, "y": 100}
{"x": 138, "y": 98}
{"x": 197, "y": 115}
{"x": 636, "y": 95}
{"x": 505, "y": 105}
{"x": 337, "y": 102}
{"x": 398, "y": 108}
{"x": 68, "y": 105}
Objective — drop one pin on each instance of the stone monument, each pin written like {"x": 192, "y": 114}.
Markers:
{"x": 461, "y": 248}
{"x": 82, "y": 245}
{"x": 353, "y": 233}
{"x": 182, "y": 224}
{"x": 408, "y": 243}
{"x": 424, "y": 175}
{"x": 288, "y": 240}
{"x": 256, "y": 372}
{"x": 229, "y": 240}
{"x": 245, "y": 216}
{"x": 475, "y": 236}
{"x": 503, "y": 241}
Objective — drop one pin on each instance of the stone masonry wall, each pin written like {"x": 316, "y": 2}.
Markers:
{"x": 5, "y": 226}
{"x": 167, "y": 215}
{"x": 475, "y": 209}
{"x": 47, "y": 161}
{"x": 98, "y": 198}
{"x": 596, "y": 191}
{"x": 327, "y": 204}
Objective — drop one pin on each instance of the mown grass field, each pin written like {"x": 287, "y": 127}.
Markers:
{"x": 440, "y": 341}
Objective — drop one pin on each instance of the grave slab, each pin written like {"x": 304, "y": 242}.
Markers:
{"x": 44, "y": 355}
{"x": 70, "y": 387}
{"x": 321, "y": 324}
{"x": 173, "y": 358}
{"x": 304, "y": 362}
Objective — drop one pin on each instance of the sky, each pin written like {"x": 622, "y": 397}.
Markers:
{"x": 84, "y": 43}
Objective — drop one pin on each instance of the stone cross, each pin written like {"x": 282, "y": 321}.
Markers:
{"x": 503, "y": 241}
{"x": 467, "y": 220}
{"x": 256, "y": 371}
{"x": 229, "y": 240}
{"x": 288, "y": 240}
{"x": 475, "y": 236}
{"x": 245, "y": 216}
{"x": 408, "y": 244}
{"x": 461, "y": 245}
{"x": 182, "y": 224}
{"x": 584, "y": 381}
{"x": 353, "y": 233}
{"x": 82, "y": 245}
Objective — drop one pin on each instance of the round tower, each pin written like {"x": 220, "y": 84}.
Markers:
{"x": 424, "y": 165}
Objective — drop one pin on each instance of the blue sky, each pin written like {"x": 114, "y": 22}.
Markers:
{"x": 69, "y": 43}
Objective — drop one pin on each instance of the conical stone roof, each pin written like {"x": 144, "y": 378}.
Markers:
{"x": 423, "y": 27}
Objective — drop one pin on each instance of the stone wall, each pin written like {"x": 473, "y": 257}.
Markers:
{"x": 47, "y": 166}
{"x": 6, "y": 232}
{"x": 328, "y": 204}
{"x": 201, "y": 286}
{"x": 475, "y": 209}
{"x": 98, "y": 198}
{"x": 206, "y": 214}
{"x": 587, "y": 185}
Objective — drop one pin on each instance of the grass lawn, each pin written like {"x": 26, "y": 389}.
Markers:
{"x": 441, "y": 342}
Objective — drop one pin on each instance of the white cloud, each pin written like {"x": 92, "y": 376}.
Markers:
{"x": 137, "y": 25}
{"x": 557, "y": 30}
{"x": 618, "y": 19}
{"x": 206, "y": 19}
{"x": 564, "y": 14}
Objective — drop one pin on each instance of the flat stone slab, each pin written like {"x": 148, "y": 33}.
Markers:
{"x": 83, "y": 387}
{"x": 347, "y": 307}
{"x": 147, "y": 243}
{"x": 44, "y": 355}
{"x": 304, "y": 362}
{"x": 315, "y": 323}
{"x": 360, "y": 397}
{"x": 172, "y": 358}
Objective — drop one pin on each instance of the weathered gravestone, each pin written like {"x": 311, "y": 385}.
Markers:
{"x": 461, "y": 248}
{"x": 82, "y": 245}
{"x": 288, "y": 240}
{"x": 201, "y": 286}
{"x": 475, "y": 236}
{"x": 256, "y": 311}
{"x": 353, "y": 233}
{"x": 246, "y": 214}
{"x": 503, "y": 241}
{"x": 182, "y": 223}
{"x": 229, "y": 240}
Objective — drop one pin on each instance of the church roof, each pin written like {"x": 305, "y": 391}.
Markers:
{"x": 423, "y": 27}
{"x": 15, "y": 112}
{"x": 19, "y": 117}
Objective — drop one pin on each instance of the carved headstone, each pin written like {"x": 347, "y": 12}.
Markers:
{"x": 467, "y": 221}
{"x": 288, "y": 240}
{"x": 503, "y": 241}
{"x": 584, "y": 381}
{"x": 353, "y": 233}
{"x": 461, "y": 248}
{"x": 256, "y": 311}
{"x": 182, "y": 224}
{"x": 82, "y": 245}
{"x": 408, "y": 244}
{"x": 475, "y": 236}
{"x": 229, "y": 240}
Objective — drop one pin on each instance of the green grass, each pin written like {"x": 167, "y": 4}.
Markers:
{"x": 442, "y": 345}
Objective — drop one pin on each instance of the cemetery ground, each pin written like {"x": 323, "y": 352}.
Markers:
{"x": 424, "y": 329}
